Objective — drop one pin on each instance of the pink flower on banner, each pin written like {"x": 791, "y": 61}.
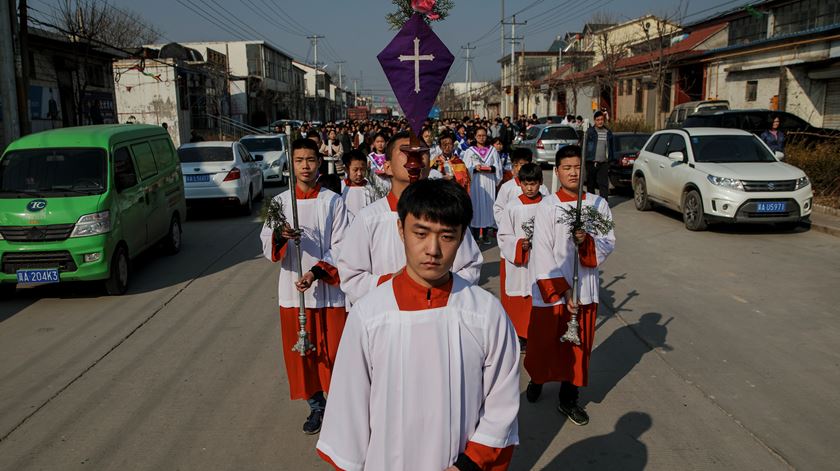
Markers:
{"x": 425, "y": 7}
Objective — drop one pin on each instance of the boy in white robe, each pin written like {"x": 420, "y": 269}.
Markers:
{"x": 322, "y": 220}
{"x": 375, "y": 251}
{"x": 516, "y": 231}
{"x": 427, "y": 373}
{"x": 486, "y": 167}
{"x": 356, "y": 191}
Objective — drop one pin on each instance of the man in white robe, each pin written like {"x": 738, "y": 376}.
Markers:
{"x": 374, "y": 250}
{"x": 485, "y": 165}
{"x": 427, "y": 374}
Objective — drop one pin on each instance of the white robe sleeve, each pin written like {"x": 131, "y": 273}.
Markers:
{"x": 345, "y": 435}
{"x": 355, "y": 267}
{"x": 507, "y": 235}
{"x": 340, "y": 223}
{"x": 501, "y": 203}
{"x": 496, "y": 162}
{"x": 549, "y": 261}
{"x": 604, "y": 244}
{"x": 467, "y": 263}
{"x": 497, "y": 425}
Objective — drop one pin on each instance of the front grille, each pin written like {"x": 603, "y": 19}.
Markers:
{"x": 53, "y": 233}
{"x": 776, "y": 185}
{"x": 14, "y": 261}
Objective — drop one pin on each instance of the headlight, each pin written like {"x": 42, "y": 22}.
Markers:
{"x": 93, "y": 224}
{"x": 276, "y": 163}
{"x": 730, "y": 183}
{"x": 801, "y": 183}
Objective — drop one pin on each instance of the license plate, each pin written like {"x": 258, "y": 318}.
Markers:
{"x": 48, "y": 275}
{"x": 772, "y": 207}
{"x": 197, "y": 178}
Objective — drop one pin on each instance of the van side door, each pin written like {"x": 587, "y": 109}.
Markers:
{"x": 157, "y": 218}
{"x": 172, "y": 182}
{"x": 129, "y": 202}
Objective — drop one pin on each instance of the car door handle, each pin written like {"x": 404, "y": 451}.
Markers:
{"x": 661, "y": 165}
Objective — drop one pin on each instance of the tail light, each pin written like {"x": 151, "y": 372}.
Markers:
{"x": 540, "y": 145}
{"x": 234, "y": 174}
{"x": 629, "y": 160}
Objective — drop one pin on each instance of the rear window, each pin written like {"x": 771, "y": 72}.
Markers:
{"x": 205, "y": 154}
{"x": 532, "y": 133}
{"x": 54, "y": 172}
{"x": 630, "y": 143}
{"x": 262, "y": 145}
{"x": 560, "y": 133}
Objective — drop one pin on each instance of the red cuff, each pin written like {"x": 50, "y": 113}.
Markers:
{"x": 327, "y": 459}
{"x": 522, "y": 255}
{"x": 553, "y": 289}
{"x": 384, "y": 278}
{"x": 488, "y": 458}
{"x": 332, "y": 273}
{"x": 278, "y": 248}
{"x": 586, "y": 251}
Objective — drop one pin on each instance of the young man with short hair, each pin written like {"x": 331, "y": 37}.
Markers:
{"x": 355, "y": 189}
{"x": 516, "y": 230}
{"x": 599, "y": 153}
{"x": 427, "y": 374}
{"x": 322, "y": 220}
{"x": 374, "y": 251}
{"x": 552, "y": 256}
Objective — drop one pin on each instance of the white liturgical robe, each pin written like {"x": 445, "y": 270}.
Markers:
{"x": 483, "y": 186}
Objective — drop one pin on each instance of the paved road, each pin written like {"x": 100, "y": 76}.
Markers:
{"x": 716, "y": 350}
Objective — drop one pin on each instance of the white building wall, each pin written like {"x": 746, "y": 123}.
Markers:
{"x": 149, "y": 101}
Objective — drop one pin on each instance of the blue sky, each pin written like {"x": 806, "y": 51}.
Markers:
{"x": 356, "y": 30}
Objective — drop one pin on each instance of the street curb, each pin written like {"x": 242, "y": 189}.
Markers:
{"x": 827, "y": 210}
{"x": 826, "y": 229}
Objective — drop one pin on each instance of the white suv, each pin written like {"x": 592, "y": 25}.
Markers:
{"x": 719, "y": 175}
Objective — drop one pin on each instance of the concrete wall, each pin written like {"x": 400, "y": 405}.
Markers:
{"x": 149, "y": 101}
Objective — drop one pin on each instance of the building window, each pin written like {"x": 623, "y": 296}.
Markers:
{"x": 752, "y": 90}
{"x": 747, "y": 29}
{"x": 639, "y": 97}
{"x": 95, "y": 75}
{"x": 805, "y": 15}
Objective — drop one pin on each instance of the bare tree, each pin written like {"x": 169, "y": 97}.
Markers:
{"x": 94, "y": 26}
{"x": 611, "y": 52}
{"x": 658, "y": 33}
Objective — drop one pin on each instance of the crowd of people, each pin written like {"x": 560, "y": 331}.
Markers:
{"x": 419, "y": 364}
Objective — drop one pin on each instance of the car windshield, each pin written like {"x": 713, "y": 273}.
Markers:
{"x": 632, "y": 143}
{"x": 262, "y": 145}
{"x": 559, "y": 133}
{"x": 730, "y": 149}
{"x": 51, "y": 172}
{"x": 205, "y": 154}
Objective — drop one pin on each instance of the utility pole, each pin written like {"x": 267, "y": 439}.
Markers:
{"x": 8, "y": 92}
{"x": 513, "y": 68}
{"x": 21, "y": 32}
{"x": 314, "y": 39}
{"x": 340, "y": 82}
{"x": 355, "y": 93}
{"x": 468, "y": 59}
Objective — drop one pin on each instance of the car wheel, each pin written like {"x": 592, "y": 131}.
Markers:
{"x": 117, "y": 282}
{"x": 640, "y": 195}
{"x": 261, "y": 194}
{"x": 693, "y": 216}
{"x": 284, "y": 179}
{"x": 248, "y": 206}
{"x": 172, "y": 243}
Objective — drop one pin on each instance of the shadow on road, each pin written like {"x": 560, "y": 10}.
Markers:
{"x": 539, "y": 424}
{"x": 621, "y": 449}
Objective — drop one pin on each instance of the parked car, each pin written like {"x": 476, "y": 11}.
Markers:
{"x": 272, "y": 155}
{"x": 554, "y": 119}
{"x": 221, "y": 171}
{"x": 294, "y": 123}
{"x": 719, "y": 175}
{"x": 684, "y": 110}
{"x": 545, "y": 139}
{"x": 626, "y": 147}
{"x": 758, "y": 121}
{"x": 79, "y": 203}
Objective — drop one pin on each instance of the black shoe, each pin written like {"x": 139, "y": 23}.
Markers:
{"x": 533, "y": 392}
{"x": 523, "y": 345}
{"x": 574, "y": 412}
{"x": 313, "y": 422}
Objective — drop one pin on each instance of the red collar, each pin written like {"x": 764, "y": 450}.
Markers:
{"x": 525, "y": 200}
{"x": 516, "y": 180}
{"x": 309, "y": 195}
{"x": 411, "y": 296}
{"x": 392, "y": 201}
{"x": 566, "y": 198}
{"x": 351, "y": 184}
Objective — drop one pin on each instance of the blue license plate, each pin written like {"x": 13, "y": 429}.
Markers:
{"x": 197, "y": 178}
{"x": 772, "y": 207}
{"x": 47, "y": 275}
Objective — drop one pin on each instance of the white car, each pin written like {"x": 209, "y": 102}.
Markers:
{"x": 719, "y": 175}
{"x": 271, "y": 152}
{"x": 221, "y": 171}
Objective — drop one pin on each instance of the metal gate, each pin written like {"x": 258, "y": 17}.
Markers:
{"x": 831, "y": 112}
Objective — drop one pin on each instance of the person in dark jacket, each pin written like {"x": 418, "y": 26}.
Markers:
{"x": 774, "y": 137}
{"x": 599, "y": 153}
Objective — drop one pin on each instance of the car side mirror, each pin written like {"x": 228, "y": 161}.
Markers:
{"x": 259, "y": 158}
{"x": 780, "y": 156}
{"x": 678, "y": 157}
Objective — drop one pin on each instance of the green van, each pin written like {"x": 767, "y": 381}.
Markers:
{"x": 77, "y": 204}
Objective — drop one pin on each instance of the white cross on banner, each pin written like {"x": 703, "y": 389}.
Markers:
{"x": 417, "y": 58}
